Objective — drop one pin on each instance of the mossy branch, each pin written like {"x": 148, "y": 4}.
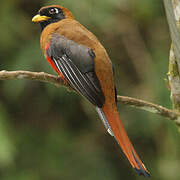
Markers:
{"x": 57, "y": 81}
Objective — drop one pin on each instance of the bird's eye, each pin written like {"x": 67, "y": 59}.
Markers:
{"x": 53, "y": 11}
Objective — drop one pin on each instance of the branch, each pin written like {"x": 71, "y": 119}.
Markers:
{"x": 37, "y": 76}
{"x": 57, "y": 81}
{"x": 150, "y": 107}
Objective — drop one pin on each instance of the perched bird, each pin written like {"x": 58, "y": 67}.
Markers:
{"x": 80, "y": 59}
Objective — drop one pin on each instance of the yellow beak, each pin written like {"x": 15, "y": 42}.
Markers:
{"x": 39, "y": 18}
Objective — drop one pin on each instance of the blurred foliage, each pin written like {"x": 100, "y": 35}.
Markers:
{"x": 49, "y": 133}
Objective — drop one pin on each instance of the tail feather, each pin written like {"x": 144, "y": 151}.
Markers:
{"x": 115, "y": 127}
{"x": 109, "y": 130}
{"x": 104, "y": 120}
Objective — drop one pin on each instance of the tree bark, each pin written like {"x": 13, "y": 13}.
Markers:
{"x": 172, "y": 8}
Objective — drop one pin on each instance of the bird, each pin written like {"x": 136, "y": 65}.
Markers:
{"x": 79, "y": 58}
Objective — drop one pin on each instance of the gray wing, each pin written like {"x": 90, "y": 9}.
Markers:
{"x": 76, "y": 63}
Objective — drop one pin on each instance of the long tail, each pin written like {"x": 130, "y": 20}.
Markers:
{"x": 115, "y": 127}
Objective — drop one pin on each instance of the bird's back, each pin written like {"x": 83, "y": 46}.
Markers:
{"x": 73, "y": 30}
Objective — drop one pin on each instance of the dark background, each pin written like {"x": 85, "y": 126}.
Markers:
{"x": 51, "y": 134}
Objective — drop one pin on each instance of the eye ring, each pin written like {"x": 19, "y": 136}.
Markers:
{"x": 53, "y": 11}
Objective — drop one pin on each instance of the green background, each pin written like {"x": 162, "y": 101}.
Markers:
{"x": 48, "y": 133}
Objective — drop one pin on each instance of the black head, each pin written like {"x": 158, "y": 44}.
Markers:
{"x": 50, "y": 14}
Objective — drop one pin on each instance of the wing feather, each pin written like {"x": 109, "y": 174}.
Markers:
{"x": 78, "y": 69}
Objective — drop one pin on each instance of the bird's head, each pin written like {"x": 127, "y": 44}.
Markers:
{"x": 51, "y": 14}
